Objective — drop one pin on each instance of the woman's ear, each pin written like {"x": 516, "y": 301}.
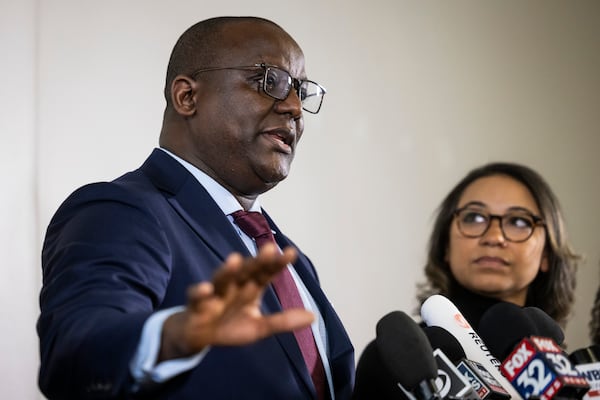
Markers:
{"x": 183, "y": 95}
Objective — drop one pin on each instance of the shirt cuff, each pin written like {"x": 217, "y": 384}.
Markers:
{"x": 143, "y": 366}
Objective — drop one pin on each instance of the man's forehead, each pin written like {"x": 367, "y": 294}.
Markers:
{"x": 254, "y": 36}
{"x": 270, "y": 46}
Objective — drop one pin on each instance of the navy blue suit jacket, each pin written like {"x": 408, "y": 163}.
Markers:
{"x": 115, "y": 252}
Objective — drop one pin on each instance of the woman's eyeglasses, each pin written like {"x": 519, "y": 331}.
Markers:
{"x": 516, "y": 226}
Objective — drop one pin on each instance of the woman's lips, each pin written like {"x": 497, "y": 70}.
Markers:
{"x": 487, "y": 261}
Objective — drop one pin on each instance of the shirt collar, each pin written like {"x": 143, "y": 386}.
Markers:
{"x": 224, "y": 199}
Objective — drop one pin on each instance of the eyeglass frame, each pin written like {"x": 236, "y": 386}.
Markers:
{"x": 537, "y": 221}
{"x": 296, "y": 83}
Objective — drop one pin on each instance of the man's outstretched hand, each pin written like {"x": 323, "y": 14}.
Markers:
{"x": 226, "y": 311}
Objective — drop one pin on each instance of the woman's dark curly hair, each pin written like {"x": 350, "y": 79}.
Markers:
{"x": 595, "y": 320}
{"x": 553, "y": 291}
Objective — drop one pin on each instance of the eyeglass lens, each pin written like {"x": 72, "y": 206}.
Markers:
{"x": 278, "y": 83}
{"x": 516, "y": 226}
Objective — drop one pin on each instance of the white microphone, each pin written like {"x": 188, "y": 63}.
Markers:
{"x": 438, "y": 310}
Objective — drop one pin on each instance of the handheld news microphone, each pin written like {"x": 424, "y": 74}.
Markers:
{"x": 372, "y": 378}
{"x": 503, "y": 325}
{"x": 483, "y": 385}
{"x": 586, "y": 355}
{"x": 546, "y": 326}
{"x": 407, "y": 354}
{"x": 534, "y": 365}
{"x": 450, "y": 382}
{"x": 442, "y": 339}
{"x": 437, "y": 310}
{"x": 587, "y": 362}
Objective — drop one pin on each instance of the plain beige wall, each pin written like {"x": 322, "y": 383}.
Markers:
{"x": 418, "y": 94}
{"x": 19, "y": 242}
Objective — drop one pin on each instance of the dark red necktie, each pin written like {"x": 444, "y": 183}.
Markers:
{"x": 255, "y": 225}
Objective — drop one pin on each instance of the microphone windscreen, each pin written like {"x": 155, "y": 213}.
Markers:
{"x": 502, "y": 326}
{"x": 546, "y": 326}
{"x": 582, "y": 356}
{"x": 439, "y": 338}
{"x": 586, "y": 355}
{"x": 405, "y": 350}
{"x": 372, "y": 379}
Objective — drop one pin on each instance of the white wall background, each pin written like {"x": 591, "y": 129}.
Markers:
{"x": 418, "y": 94}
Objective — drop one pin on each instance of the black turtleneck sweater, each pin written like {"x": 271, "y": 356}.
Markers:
{"x": 471, "y": 305}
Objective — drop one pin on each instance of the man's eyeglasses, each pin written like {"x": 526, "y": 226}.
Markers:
{"x": 516, "y": 226}
{"x": 277, "y": 83}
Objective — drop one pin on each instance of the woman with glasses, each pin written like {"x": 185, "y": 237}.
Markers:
{"x": 499, "y": 235}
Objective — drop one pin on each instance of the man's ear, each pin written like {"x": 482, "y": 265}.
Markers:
{"x": 183, "y": 95}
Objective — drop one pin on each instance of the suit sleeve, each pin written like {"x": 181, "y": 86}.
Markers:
{"x": 106, "y": 265}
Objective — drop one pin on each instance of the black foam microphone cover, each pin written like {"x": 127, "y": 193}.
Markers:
{"x": 405, "y": 350}
{"x": 502, "y": 326}
{"x": 439, "y": 338}
{"x": 546, "y": 326}
{"x": 587, "y": 355}
{"x": 373, "y": 380}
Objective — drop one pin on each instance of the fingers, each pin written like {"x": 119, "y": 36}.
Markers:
{"x": 226, "y": 311}
{"x": 269, "y": 262}
{"x": 248, "y": 330}
{"x": 196, "y": 294}
{"x": 259, "y": 270}
{"x": 286, "y": 321}
{"x": 227, "y": 274}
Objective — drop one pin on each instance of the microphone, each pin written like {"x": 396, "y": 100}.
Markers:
{"x": 437, "y": 310}
{"x": 482, "y": 383}
{"x": 503, "y": 325}
{"x": 546, "y": 326}
{"x": 372, "y": 379}
{"x": 534, "y": 365}
{"x": 587, "y": 362}
{"x": 407, "y": 355}
{"x": 450, "y": 382}
{"x": 586, "y": 355}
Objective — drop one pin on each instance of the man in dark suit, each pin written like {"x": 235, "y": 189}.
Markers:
{"x": 150, "y": 287}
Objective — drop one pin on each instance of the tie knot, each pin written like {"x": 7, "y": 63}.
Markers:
{"x": 254, "y": 224}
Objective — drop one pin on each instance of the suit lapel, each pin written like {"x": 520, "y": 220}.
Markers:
{"x": 193, "y": 203}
